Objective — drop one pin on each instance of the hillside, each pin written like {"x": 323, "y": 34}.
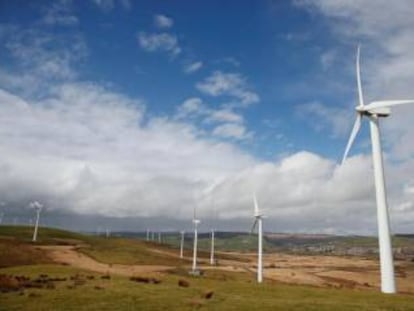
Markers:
{"x": 84, "y": 272}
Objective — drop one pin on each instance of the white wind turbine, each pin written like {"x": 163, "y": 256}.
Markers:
{"x": 212, "y": 248}
{"x": 196, "y": 222}
{"x": 374, "y": 111}
{"x": 38, "y": 207}
{"x": 182, "y": 244}
{"x": 258, "y": 221}
{"x": 148, "y": 234}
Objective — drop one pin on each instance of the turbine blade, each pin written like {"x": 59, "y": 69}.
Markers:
{"x": 256, "y": 206}
{"x": 388, "y": 103}
{"x": 254, "y": 226}
{"x": 358, "y": 73}
{"x": 355, "y": 129}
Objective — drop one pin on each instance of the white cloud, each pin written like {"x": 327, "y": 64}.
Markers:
{"x": 162, "y": 21}
{"x": 195, "y": 108}
{"x": 231, "y": 130}
{"x": 193, "y": 105}
{"x": 228, "y": 84}
{"x": 89, "y": 150}
{"x": 44, "y": 56}
{"x": 225, "y": 115}
{"x": 193, "y": 67}
{"x": 105, "y": 5}
{"x": 108, "y": 5}
{"x": 228, "y": 61}
{"x": 159, "y": 42}
{"x": 60, "y": 13}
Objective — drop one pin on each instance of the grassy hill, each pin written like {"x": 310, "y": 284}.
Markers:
{"x": 29, "y": 280}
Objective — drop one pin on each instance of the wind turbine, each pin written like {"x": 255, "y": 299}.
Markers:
{"x": 258, "y": 221}
{"x": 212, "y": 248}
{"x": 147, "y": 238}
{"x": 196, "y": 222}
{"x": 38, "y": 207}
{"x": 374, "y": 111}
{"x": 182, "y": 244}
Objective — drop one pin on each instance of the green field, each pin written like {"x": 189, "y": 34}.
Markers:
{"x": 216, "y": 290}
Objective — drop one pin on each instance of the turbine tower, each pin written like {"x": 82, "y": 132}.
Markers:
{"x": 374, "y": 111}
{"x": 212, "y": 248}
{"x": 196, "y": 222}
{"x": 182, "y": 244}
{"x": 258, "y": 221}
{"x": 147, "y": 237}
{"x": 38, "y": 207}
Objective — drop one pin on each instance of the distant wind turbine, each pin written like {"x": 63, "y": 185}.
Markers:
{"x": 374, "y": 111}
{"x": 196, "y": 222}
{"x": 258, "y": 221}
{"x": 212, "y": 248}
{"x": 38, "y": 208}
{"x": 182, "y": 244}
{"x": 212, "y": 243}
{"x": 148, "y": 233}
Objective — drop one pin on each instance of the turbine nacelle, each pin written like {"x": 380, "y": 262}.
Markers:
{"x": 36, "y": 205}
{"x": 369, "y": 111}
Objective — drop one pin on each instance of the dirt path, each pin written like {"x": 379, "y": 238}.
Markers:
{"x": 70, "y": 256}
{"x": 312, "y": 270}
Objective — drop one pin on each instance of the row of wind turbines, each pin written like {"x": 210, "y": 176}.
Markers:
{"x": 196, "y": 222}
{"x": 374, "y": 111}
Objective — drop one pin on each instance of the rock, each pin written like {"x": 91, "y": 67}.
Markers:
{"x": 183, "y": 283}
{"x": 208, "y": 294}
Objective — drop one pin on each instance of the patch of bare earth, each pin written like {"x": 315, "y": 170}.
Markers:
{"x": 333, "y": 271}
{"x": 68, "y": 255}
{"x": 324, "y": 271}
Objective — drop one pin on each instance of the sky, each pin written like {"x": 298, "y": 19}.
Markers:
{"x": 138, "y": 112}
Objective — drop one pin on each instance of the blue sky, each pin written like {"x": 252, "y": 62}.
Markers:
{"x": 275, "y": 47}
{"x": 207, "y": 95}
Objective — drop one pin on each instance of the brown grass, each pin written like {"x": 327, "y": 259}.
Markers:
{"x": 17, "y": 253}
